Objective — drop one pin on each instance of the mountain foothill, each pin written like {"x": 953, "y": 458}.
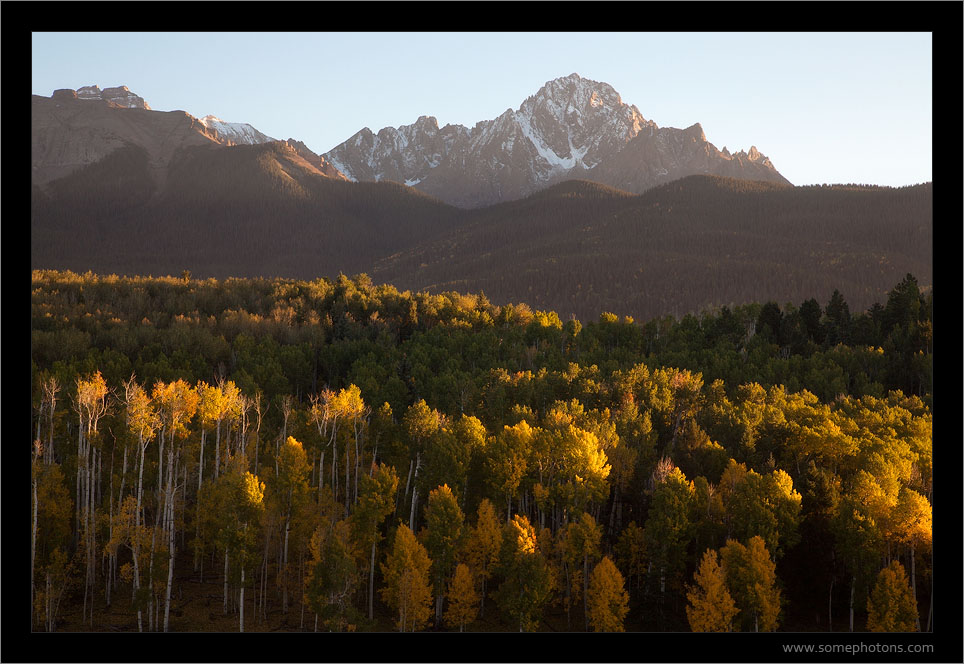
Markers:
{"x": 573, "y": 202}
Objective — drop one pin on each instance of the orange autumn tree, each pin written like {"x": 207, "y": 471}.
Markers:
{"x": 711, "y": 607}
{"x": 608, "y": 599}
{"x": 463, "y": 600}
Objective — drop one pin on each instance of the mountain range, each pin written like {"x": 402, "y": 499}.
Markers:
{"x": 572, "y": 202}
{"x": 572, "y": 128}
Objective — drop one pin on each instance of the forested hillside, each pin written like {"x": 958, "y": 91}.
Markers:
{"x": 702, "y": 242}
{"x": 578, "y": 248}
{"x": 336, "y": 455}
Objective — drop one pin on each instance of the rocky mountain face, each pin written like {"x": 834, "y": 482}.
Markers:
{"x": 571, "y": 128}
{"x": 121, "y": 96}
{"x": 73, "y": 129}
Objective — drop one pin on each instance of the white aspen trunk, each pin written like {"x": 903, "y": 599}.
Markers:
{"x": 418, "y": 464}
{"x": 853, "y": 585}
{"x": 150, "y": 584}
{"x": 930, "y": 611}
{"x": 371, "y": 585}
{"x": 137, "y": 524}
{"x": 357, "y": 464}
{"x": 241, "y": 603}
{"x": 284, "y": 566}
{"x": 830, "y": 607}
{"x": 347, "y": 479}
{"x": 913, "y": 584}
{"x": 33, "y": 547}
{"x": 225, "y": 582}
{"x": 217, "y": 451}
{"x": 200, "y": 463}
{"x": 408, "y": 482}
{"x": 334, "y": 463}
{"x": 78, "y": 485}
{"x": 50, "y": 456}
{"x": 170, "y": 533}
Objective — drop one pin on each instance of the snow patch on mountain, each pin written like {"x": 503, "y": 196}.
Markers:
{"x": 239, "y": 133}
{"x": 571, "y": 127}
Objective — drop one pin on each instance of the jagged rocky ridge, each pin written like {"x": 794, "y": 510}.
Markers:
{"x": 571, "y": 128}
{"x": 72, "y": 129}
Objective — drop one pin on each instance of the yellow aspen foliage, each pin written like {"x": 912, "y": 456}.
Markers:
{"x": 482, "y": 547}
{"x": 752, "y": 579}
{"x": 711, "y": 608}
{"x": 463, "y": 600}
{"x": 890, "y": 606}
{"x": 608, "y": 599}
{"x": 407, "y": 589}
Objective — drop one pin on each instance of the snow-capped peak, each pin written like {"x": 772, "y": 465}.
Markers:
{"x": 236, "y": 132}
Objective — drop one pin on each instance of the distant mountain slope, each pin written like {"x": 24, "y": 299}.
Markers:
{"x": 572, "y": 127}
{"x": 246, "y": 210}
{"x": 581, "y": 248}
{"x": 68, "y": 133}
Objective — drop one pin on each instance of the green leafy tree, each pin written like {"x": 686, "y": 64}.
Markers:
{"x": 506, "y": 457}
{"x": 333, "y": 577}
{"x": 669, "y": 527}
{"x": 442, "y": 536}
{"x": 375, "y": 503}
{"x": 752, "y": 580}
{"x": 583, "y": 541}
{"x": 407, "y": 590}
{"x": 289, "y": 496}
{"x": 526, "y": 581}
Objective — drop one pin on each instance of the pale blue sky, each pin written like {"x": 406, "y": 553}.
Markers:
{"x": 824, "y": 107}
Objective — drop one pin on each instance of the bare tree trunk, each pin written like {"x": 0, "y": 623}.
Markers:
{"x": 371, "y": 585}
{"x": 418, "y": 464}
{"x": 225, "y": 582}
{"x": 284, "y": 567}
{"x": 913, "y": 584}
{"x": 217, "y": 451}
{"x": 33, "y": 547}
{"x": 347, "y": 479}
{"x": 137, "y": 539}
{"x": 241, "y": 603}
{"x": 169, "y": 515}
{"x": 830, "y": 606}
{"x": 853, "y": 586}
